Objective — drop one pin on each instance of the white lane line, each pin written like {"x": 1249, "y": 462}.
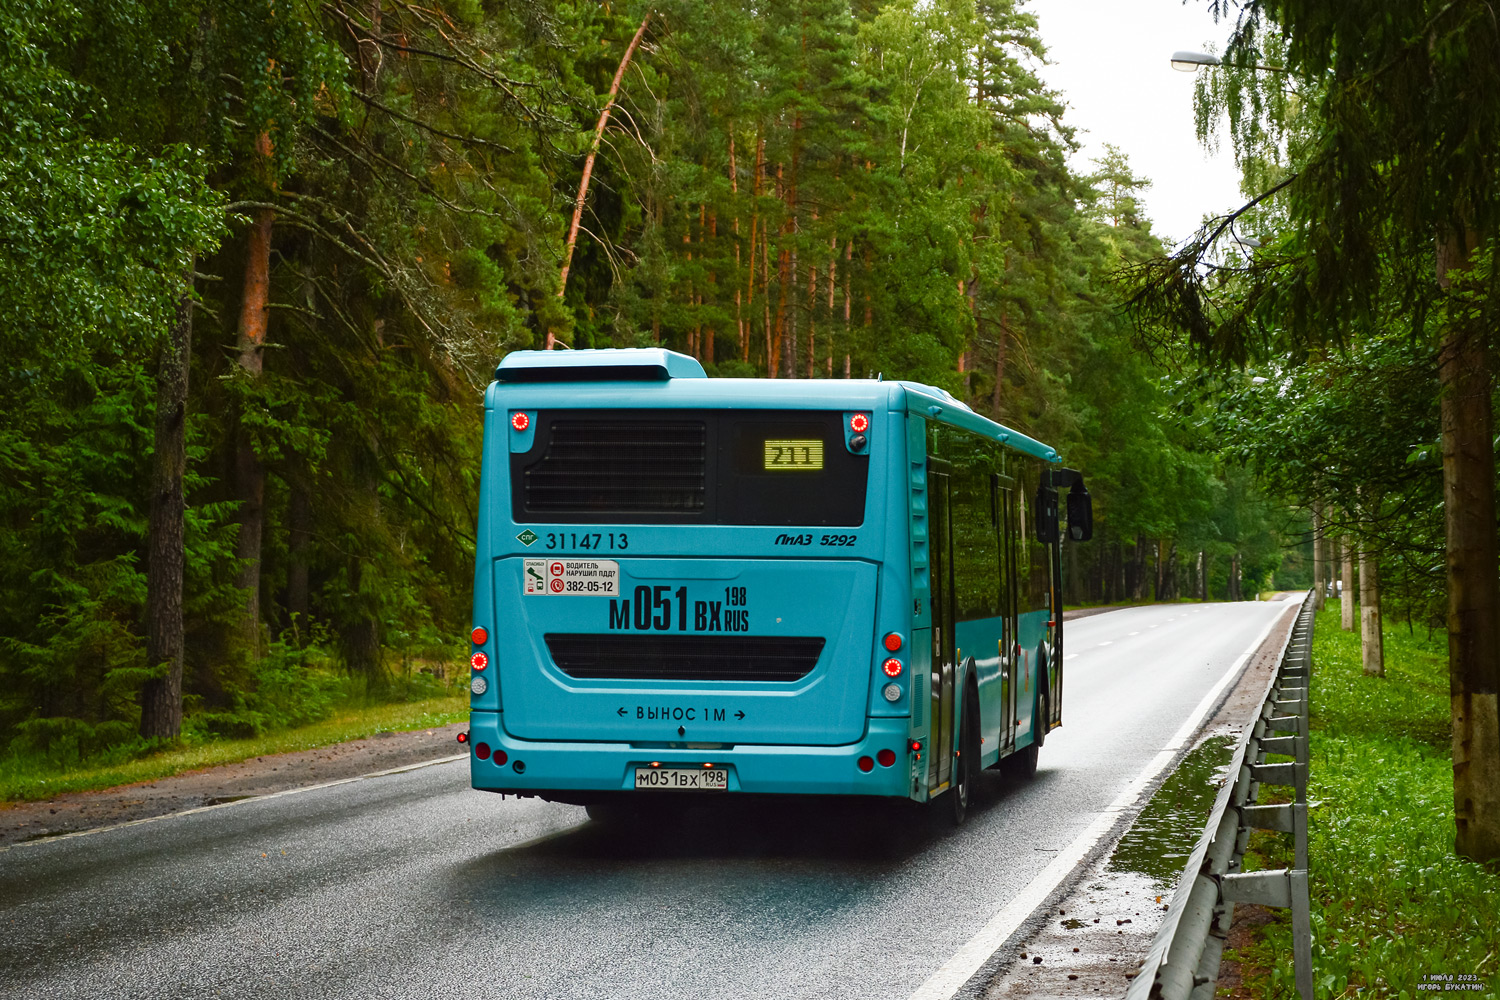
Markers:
{"x": 237, "y": 802}
{"x": 1135, "y": 633}
{"x": 958, "y": 970}
{"x": 1107, "y": 643}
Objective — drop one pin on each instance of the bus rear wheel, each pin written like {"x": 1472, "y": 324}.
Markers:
{"x": 966, "y": 762}
{"x": 1021, "y": 765}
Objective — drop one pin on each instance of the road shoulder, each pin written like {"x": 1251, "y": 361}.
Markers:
{"x": 1091, "y": 937}
{"x": 74, "y": 812}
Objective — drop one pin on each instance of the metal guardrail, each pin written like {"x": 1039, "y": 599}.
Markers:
{"x": 1183, "y": 963}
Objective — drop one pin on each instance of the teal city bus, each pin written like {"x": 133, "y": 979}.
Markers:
{"x": 715, "y": 587}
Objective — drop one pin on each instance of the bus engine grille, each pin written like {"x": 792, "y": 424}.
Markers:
{"x": 621, "y": 465}
{"x": 685, "y": 657}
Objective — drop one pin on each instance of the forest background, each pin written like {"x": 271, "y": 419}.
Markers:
{"x": 260, "y": 258}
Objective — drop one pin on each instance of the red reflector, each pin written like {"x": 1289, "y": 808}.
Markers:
{"x": 886, "y": 757}
{"x": 892, "y": 667}
{"x": 866, "y": 764}
{"x": 859, "y": 423}
{"x": 893, "y": 642}
{"x": 479, "y": 661}
{"x": 520, "y": 421}
{"x": 482, "y": 751}
{"x": 479, "y": 635}
{"x": 463, "y": 737}
{"x": 500, "y": 757}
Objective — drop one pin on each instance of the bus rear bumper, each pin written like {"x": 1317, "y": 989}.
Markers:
{"x": 573, "y": 768}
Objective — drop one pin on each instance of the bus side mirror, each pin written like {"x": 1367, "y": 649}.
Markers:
{"x": 1080, "y": 514}
{"x": 1046, "y": 515}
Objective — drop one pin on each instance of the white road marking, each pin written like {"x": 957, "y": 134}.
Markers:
{"x": 237, "y": 802}
{"x": 948, "y": 980}
{"x": 1135, "y": 633}
{"x": 1106, "y": 643}
{"x": 1070, "y": 656}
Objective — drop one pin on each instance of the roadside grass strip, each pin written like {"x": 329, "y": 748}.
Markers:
{"x": 23, "y": 779}
{"x": 1394, "y": 912}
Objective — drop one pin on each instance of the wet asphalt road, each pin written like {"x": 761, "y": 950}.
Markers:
{"x": 413, "y": 885}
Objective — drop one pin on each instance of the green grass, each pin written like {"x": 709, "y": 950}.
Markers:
{"x": 24, "y": 779}
{"x": 1391, "y": 902}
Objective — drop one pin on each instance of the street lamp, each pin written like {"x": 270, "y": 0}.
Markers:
{"x": 1188, "y": 62}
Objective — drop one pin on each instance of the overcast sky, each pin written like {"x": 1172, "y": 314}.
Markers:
{"x": 1110, "y": 61}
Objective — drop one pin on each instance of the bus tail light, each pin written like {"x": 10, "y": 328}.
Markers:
{"x": 891, "y": 693}
{"x": 886, "y": 757}
{"x": 859, "y": 423}
{"x": 866, "y": 764}
{"x": 479, "y": 636}
{"x": 482, "y": 751}
{"x": 479, "y": 661}
{"x": 500, "y": 758}
{"x": 892, "y": 667}
{"x": 520, "y": 421}
{"x": 893, "y": 642}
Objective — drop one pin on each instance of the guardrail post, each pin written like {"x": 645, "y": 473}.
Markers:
{"x": 1302, "y": 923}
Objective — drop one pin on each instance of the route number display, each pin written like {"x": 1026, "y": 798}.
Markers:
{"x": 805, "y": 455}
{"x": 684, "y": 779}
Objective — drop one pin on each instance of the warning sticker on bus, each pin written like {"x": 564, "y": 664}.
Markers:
{"x": 572, "y": 577}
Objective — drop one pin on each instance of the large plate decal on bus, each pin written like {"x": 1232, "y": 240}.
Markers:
{"x": 571, "y": 577}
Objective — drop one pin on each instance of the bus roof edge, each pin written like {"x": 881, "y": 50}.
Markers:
{"x": 618, "y": 364}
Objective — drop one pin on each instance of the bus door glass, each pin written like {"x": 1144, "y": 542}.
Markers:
{"x": 940, "y": 745}
{"x": 1006, "y": 499}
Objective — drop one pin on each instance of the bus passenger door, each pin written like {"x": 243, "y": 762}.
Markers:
{"x": 1006, "y": 502}
{"x": 940, "y": 747}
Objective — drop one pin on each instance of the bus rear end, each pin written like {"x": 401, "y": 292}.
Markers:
{"x": 687, "y": 585}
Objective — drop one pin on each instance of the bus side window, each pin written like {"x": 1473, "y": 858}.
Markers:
{"x": 975, "y": 544}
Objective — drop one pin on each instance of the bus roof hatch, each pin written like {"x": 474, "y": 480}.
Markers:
{"x": 643, "y": 364}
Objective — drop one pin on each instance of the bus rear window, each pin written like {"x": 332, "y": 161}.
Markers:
{"x": 772, "y": 467}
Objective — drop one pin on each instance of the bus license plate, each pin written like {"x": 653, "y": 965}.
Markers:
{"x": 699, "y": 779}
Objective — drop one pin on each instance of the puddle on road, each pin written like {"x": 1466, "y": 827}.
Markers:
{"x": 1158, "y": 844}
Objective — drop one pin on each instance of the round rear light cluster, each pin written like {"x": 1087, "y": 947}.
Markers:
{"x": 479, "y": 685}
{"x": 891, "y": 692}
{"x": 892, "y": 667}
{"x": 859, "y": 423}
{"x": 865, "y": 764}
{"x": 479, "y": 636}
{"x": 479, "y": 661}
{"x": 482, "y": 751}
{"x": 520, "y": 421}
{"x": 892, "y": 642}
{"x": 886, "y": 757}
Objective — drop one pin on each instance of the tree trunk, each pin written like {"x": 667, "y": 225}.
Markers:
{"x": 1473, "y": 588}
{"x": 161, "y": 697}
{"x": 250, "y": 474}
{"x": 1372, "y": 646}
{"x": 1202, "y": 574}
{"x": 1236, "y": 591}
{"x": 1317, "y": 546}
{"x": 588, "y": 165}
{"x": 1347, "y": 591}
{"x": 1002, "y": 339}
{"x": 299, "y": 533}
